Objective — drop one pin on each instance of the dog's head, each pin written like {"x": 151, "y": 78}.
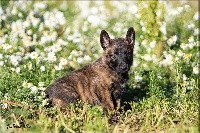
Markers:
{"x": 118, "y": 53}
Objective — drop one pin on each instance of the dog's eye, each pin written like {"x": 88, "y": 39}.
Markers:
{"x": 127, "y": 52}
{"x": 113, "y": 57}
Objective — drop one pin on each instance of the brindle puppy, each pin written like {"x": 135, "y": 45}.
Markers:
{"x": 101, "y": 82}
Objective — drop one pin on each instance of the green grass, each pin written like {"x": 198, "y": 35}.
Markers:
{"x": 157, "y": 107}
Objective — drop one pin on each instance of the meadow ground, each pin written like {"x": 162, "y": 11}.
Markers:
{"x": 41, "y": 41}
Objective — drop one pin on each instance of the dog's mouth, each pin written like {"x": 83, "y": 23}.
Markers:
{"x": 123, "y": 69}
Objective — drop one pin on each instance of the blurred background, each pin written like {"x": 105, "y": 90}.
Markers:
{"x": 70, "y": 29}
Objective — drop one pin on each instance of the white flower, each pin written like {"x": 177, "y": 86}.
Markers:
{"x": 70, "y": 37}
{"x": 168, "y": 60}
{"x": 41, "y": 84}
{"x": 196, "y": 31}
{"x": 1, "y": 11}
{"x": 25, "y": 84}
{"x": 14, "y": 11}
{"x": 39, "y": 6}
{"x": 158, "y": 13}
{"x": 138, "y": 78}
{"x": 44, "y": 39}
{"x": 196, "y": 70}
{"x": 76, "y": 40}
{"x": 148, "y": 49}
{"x": 135, "y": 63}
{"x": 6, "y": 46}
{"x": 41, "y": 27}
{"x": 26, "y": 23}
{"x": 87, "y": 58}
{"x": 59, "y": 67}
{"x": 163, "y": 28}
{"x": 84, "y": 7}
{"x": 12, "y": 69}
{"x": 60, "y": 17}
{"x": 30, "y": 32}
{"x": 55, "y": 48}
{"x": 133, "y": 9}
{"x": 183, "y": 46}
{"x": 63, "y": 62}
{"x": 152, "y": 44}
{"x": 54, "y": 19}
{"x": 187, "y": 56}
{"x": 35, "y": 21}
{"x": 180, "y": 53}
{"x": 143, "y": 28}
{"x": 42, "y": 68}
{"x": 51, "y": 57}
{"x": 80, "y": 60}
{"x": 44, "y": 102}
{"x": 174, "y": 38}
{"x": 15, "y": 62}
{"x": 29, "y": 85}
{"x": 1, "y": 56}
{"x": 14, "y": 59}
{"x": 180, "y": 9}
{"x": 147, "y": 57}
{"x": 43, "y": 93}
{"x": 61, "y": 42}
{"x": 3, "y": 39}
{"x": 17, "y": 70}
{"x": 94, "y": 20}
{"x": 187, "y": 7}
{"x": 1, "y": 63}
{"x": 34, "y": 55}
{"x": 191, "y": 39}
{"x": 160, "y": 77}
{"x": 172, "y": 52}
{"x": 191, "y": 45}
{"x": 42, "y": 88}
{"x": 29, "y": 66}
{"x": 33, "y": 89}
{"x": 176, "y": 59}
{"x": 6, "y": 96}
{"x": 144, "y": 42}
{"x": 74, "y": 53}
{"x": 20, "y": 15}
{"x": 94, "y": 10}
{"x": 145, "y": 65}
{"x": 171, "y": 41}
{"x": 154, "y": 58}
{"x": 5, "y": 106}
{"x": 191, "y": 25}
{"x": 184, "y": 77}
{"x": 70, "y": 57}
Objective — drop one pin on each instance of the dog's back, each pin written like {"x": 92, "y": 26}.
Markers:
{"x": 90, "y": 84}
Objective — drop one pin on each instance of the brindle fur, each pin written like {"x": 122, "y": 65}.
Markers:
{"x": 101, "y": 82}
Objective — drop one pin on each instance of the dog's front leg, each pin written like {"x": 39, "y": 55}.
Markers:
{"x": 116, "y": 97}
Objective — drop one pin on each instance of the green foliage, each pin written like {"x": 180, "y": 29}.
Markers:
{"x": 41, "y": 41}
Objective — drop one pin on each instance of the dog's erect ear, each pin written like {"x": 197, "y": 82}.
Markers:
{"x": 130, "y": 36}
{"x": 104, "y": 39}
